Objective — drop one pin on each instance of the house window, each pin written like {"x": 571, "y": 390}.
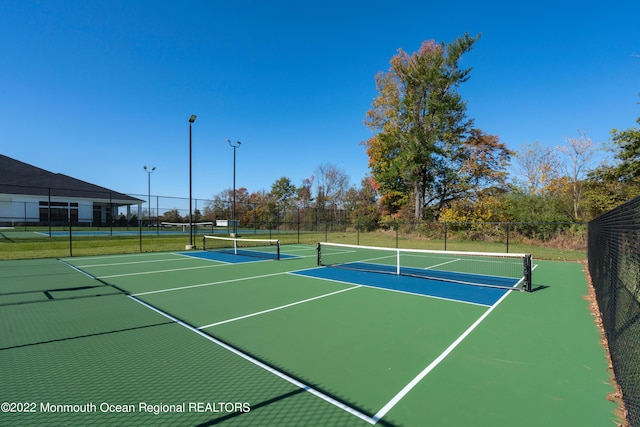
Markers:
{"x": 61, "y": 212}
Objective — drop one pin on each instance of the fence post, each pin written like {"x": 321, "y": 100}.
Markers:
{"x": 326, "y": 231}
{"x": 49, "y": 211}
{"x": 397, "y": 233}
{"x": 111, "y": 214}
{"x": 508, "y": 237}
{"x": 445, "y": 235}
{"x": 298, "y": 220}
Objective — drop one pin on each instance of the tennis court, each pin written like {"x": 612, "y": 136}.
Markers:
{"x": 205, "y": 338}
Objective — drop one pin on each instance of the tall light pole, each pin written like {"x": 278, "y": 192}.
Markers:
{"x": 191, "y": 120}
{"x": 149, "y": 188}
{"x": 233, "y": 212}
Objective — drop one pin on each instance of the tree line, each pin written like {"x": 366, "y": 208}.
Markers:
{"x": 429, "y": 161}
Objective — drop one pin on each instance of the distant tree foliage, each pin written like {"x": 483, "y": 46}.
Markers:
{"x": 428, "y": 162}
{"x": 628, "y": 145}
{"x": 539, "y": 166}
{"x": 426, "y": 151}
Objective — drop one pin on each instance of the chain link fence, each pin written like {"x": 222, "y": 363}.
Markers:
{"x": 614, "y": 266}
{"x": 58, "y": 213}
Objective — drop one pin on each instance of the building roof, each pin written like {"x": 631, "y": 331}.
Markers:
{"x": 17, "y": 177}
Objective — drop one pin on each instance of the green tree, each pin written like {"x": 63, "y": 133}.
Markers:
{"x": 283, "y": 192}
{"x": 283, "y": 195}
{"x": 628, "y": 145}
{"x": 423, "y": 134}
{"x": 172, "y": 215}
{"x": 540, "y": 215}
{"x": 610, "y": 185}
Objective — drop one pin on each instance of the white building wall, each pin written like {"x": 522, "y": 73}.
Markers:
{"x": 18, "y": 208}
{"x": 25, "y": 209}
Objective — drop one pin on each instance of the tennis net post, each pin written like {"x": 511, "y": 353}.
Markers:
{"x": 528, "y": 273}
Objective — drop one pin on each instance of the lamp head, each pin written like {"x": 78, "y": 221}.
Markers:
{"x": 192, "y": 118}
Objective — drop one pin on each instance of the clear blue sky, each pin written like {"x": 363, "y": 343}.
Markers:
{"x": 97, "y": 89}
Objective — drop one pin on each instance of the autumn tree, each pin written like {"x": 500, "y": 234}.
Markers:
{"x": 475, "y": 163}
{"x": 332, "y": 184}
{"x": 539, "y": 166}
{"x": 579, "y": 152}
{"x": 488, "y": 206}
{"x": 304, "y": 195}
{"x": 261, "y": 209}
{"x": 361, "y": 203}
{"x": 221, "y": 205}
{"x": 422, "y": 151}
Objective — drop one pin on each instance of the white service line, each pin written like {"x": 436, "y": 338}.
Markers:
{"x": 143, "y": 273}
{"x": 279, "y": 308}
{"x": 402, "y": 393}
{"x": 441, "y": 264}
{"x": 76, "y": 268}
{"x": 267, "y": 368}
{"x": 150, "y": 254}
{"x": 208, "y": 284}
{"x": 181, "y": 259}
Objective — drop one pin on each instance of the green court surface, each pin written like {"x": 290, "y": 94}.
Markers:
{"x": 187, "y": 339}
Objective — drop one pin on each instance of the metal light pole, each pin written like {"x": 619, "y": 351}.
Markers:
{"x": 233, "y": 212}
{"x": 149, "y": 188}
{"x": 191, "y": 120}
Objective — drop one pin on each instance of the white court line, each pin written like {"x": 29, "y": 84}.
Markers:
{"x": 267, "y": 368}
{"x": 135, "y": 262}
{"x": 122, "y": 255}
{"x": 143, "y": 273}
{"x": 371, "y": 420}
{"x": 208, "y": 284}
{"x": 442, "y": 263}
{"x": 278, "y": 308}
{"x": 76, "y": 268}
{"x": 402, "y": 393}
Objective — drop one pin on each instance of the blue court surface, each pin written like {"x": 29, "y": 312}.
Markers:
{"x": 433, "y": 288}
{"x": 227, "y": 256}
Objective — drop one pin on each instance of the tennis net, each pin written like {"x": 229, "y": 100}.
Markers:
{"x": 184, "y": 226}
{"x": 497, "y": 270}
{"x": 260, "y": 248}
